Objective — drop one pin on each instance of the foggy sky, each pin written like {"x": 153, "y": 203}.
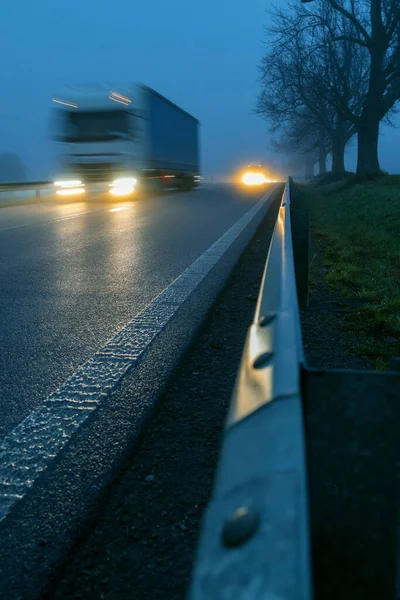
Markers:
{"x": 201, "y": 55}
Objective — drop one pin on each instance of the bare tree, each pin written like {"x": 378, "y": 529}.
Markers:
{"x": 372, "y": 26}
{"x": 297, "y": 74}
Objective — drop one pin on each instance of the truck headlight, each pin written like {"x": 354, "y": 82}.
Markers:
{"x": 123, "y": 186}
{"x": 69, "y": 187}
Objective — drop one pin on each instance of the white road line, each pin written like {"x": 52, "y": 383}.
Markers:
{"x": 28, "y": 450}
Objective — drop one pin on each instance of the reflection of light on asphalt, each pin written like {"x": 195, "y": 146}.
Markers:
{"x": 71, "y": 217}
{"x": 71, "y": 278}
{"x": 69, "y": 211}
{"x": 118, "y": 209}
{"x": 64, "y": 210}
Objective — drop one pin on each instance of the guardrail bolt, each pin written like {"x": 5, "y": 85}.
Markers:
{"x": 266, "y": 319}
{"x": 240, "y": 527}
{"x": 263, "y": 360}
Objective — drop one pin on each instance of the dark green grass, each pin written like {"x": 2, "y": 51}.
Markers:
{"x": 357, "y": 228}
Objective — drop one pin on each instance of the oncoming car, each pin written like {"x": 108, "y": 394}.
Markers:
{"x": 255, "y": 174}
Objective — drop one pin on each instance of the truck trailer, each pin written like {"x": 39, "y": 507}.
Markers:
{"x": 116, "y": 140}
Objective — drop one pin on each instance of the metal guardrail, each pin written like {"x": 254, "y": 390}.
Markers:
{"x": 35, "y": 186}
{"x": 255, "y": 536}
{"x": 25, "y": 185}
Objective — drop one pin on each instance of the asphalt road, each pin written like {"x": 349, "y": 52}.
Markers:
{"x": 73, "y": 273}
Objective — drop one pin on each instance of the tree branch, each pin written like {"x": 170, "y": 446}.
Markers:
{"x": 390, "y": 98}
{"x": 353, "y": 19}
{"x": 345, "y": 38}
{"x": 393, "y": 25}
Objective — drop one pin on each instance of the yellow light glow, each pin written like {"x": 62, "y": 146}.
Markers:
{"x": 118, "y": 209}
{"x": 123, "y": 186}
{"x": 68, "y": 184}
{"x": 70, "y": 191}
{"x": 254, "y": 179}
{"x": 122, "y": 190}
{"x": 65, "y": 103}
{"x": 124, "y": 181}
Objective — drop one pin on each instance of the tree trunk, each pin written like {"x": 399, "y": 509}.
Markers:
{"x": 368, "y": 126}
{"x": 367, "y": 153}
{"x": 322, "y": 159}
{"x": 338, "y": 148}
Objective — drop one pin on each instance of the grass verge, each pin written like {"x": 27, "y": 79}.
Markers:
{"x": 357, "y": 230}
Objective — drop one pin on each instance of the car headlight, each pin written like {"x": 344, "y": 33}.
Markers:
{"x": 254, "y": 179}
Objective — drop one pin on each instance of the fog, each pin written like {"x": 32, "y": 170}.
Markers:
{"x": 202, "y": 56}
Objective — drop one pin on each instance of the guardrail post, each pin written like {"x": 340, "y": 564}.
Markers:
{"x": 300, "y": 220}
{"x": 300, "y": 223}
{"x": 353, "y": 457}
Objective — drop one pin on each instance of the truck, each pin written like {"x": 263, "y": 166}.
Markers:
{"x": 120, "y": 139}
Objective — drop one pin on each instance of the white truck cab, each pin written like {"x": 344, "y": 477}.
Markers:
{"x": 100, "y": 135}
{"x": 113, "y": 139}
